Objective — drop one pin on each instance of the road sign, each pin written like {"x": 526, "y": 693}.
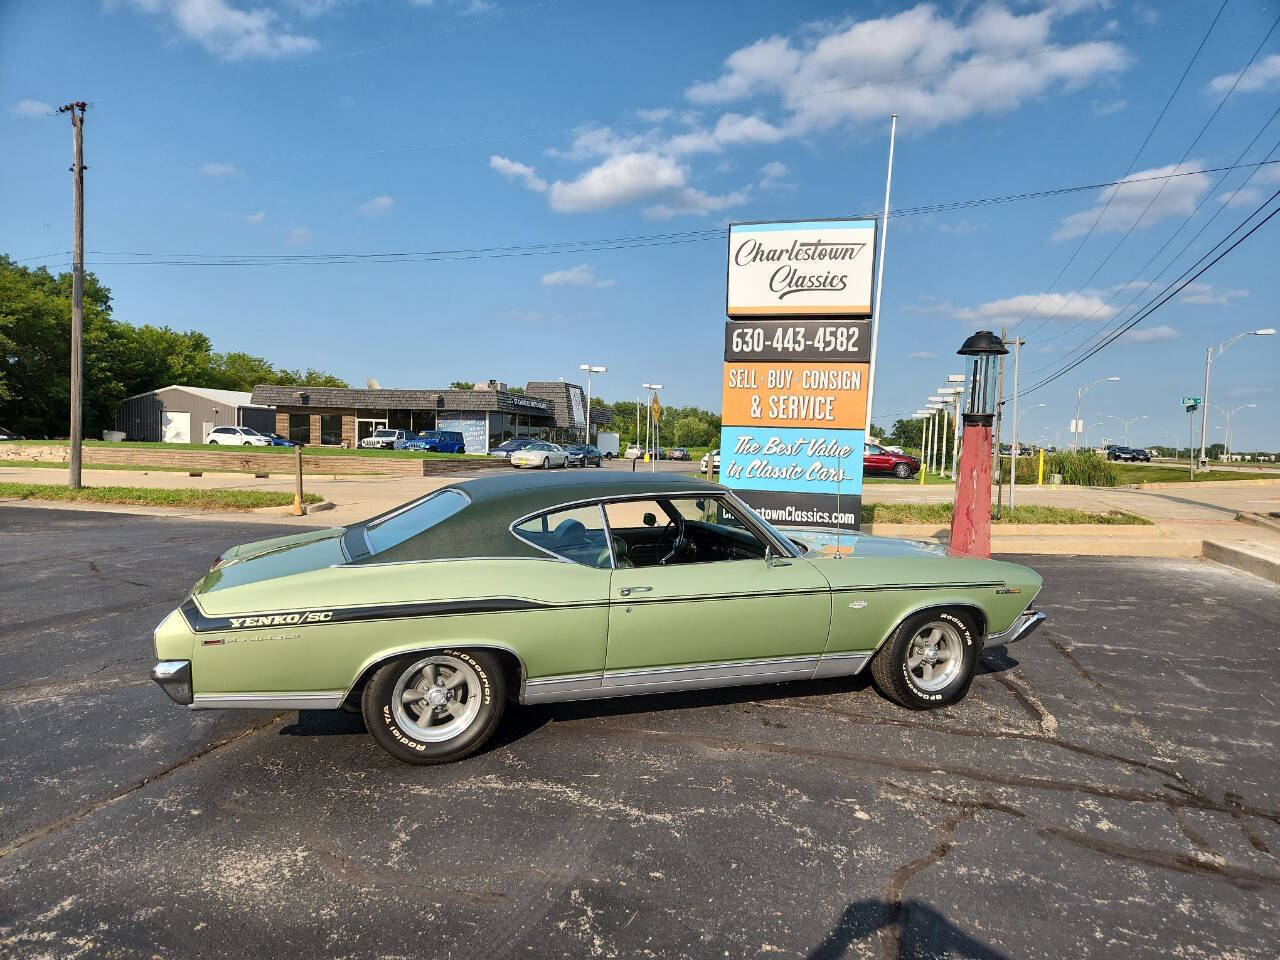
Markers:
{"x": 1188, "y": 401}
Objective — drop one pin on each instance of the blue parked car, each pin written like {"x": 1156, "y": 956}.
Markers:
{"x": 279, "y": 441}
{"x": 436, "y": 441}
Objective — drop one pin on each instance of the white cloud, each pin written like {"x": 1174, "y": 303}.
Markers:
{"x": 377, "y": 207}
{"x": 1150, "y": 334}
{"x": 1246, "y": 197}
{"x": 518, "y": 171}
{"x": 1168, "y": 196}
{"x": 657, "y": 115}
{"x": 771, "y": 176}
{"x": 298, "y": 236}
{"x": 32, "y": 108}
{"x": 1105, "y": 109}
{"x": 854, "y": 73}
{"x": 256, "y": 217}
{"x": 228, "y": 31}
{"x": 920, "y": 355}
{"x": 694, "y": 202}
{"x": 580, "y": 276}
{"x": 219, "y": 169}
{"x": 1207, "y": 294}
{"x": 620, "y": 179}
{"x": 1060, "y": 306}
{"x": 1260, "y": 76}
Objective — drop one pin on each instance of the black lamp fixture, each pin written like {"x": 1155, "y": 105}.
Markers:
{"x": 980, "y": 401}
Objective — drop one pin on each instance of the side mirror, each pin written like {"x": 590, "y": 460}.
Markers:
{"x": 771, "y": 559}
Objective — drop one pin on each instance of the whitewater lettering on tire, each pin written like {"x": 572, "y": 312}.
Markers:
{"x": 471, "y": 661}
{"x": 965, "y": 633}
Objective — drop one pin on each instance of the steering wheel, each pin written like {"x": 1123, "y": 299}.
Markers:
{"x": 677, "y": 542}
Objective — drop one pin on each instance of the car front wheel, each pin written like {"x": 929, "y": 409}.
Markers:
{"x": 902, "y": 471}
{"x": 929, "y": 660}
{"x": 437, "y": 707}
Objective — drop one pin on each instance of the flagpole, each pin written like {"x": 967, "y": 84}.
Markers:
{"x": 875, "y": 310}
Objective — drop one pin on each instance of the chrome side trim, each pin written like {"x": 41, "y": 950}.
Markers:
{"x": 623, "y": 683}
{"x": 328, "y": 700}
{"x": 862, "y": 588}
{"x": 1026, "y": 624}
{"x": 550, "y": 689}
{"x": 709, "y": 671}
{"x": 840, "y": 665}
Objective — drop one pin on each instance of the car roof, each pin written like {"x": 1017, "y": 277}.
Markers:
{"x": 482, "y": 528}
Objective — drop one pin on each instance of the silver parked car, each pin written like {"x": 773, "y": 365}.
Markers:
{"x": 540, "y": 454}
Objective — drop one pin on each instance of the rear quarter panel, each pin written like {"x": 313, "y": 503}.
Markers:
{"x": 565, "y": 638}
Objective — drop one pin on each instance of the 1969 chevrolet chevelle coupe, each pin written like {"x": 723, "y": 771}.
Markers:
{"x": 430, "y": 617}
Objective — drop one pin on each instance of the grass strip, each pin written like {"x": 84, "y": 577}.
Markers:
{"x": 1029, "y": 513}
{"x": 153, "y": 497}
{"x": 1132, "y": 473}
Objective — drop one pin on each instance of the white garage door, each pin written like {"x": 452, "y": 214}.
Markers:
{"x": 177, "y": 428}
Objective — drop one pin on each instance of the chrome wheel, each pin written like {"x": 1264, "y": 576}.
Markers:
{"x": 437, "y": 698}
{"x": 935, "y": 655}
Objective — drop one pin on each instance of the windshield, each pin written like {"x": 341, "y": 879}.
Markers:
{"x": 411, "y": 520}
{"x": 384, "y": 433}
{"x": 249, "y": 433}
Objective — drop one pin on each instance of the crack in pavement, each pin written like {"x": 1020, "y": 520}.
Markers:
{"x": 62, "y": 823}
{"x": 1186, "y": 798}
{"x": 34, "y": 692}
{"x": 890, "y": 932}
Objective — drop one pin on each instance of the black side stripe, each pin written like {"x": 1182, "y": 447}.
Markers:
{"x": 201, "y": 623}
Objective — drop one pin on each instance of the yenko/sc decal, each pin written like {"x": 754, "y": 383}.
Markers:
{"x": 282, "y": 619}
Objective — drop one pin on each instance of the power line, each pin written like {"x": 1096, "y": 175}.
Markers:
{"x": 589, "y": 246}
{"x": 1132, "y": 163}
{"x": 1155, "y": 196}
{"x": 1170, "y": 291}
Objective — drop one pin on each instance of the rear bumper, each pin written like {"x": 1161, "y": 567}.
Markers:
{"x": 174, "y": 677}
{"x": 1026, "y": 624}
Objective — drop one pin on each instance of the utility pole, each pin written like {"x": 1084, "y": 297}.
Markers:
{"x": 1013, "y": 448}
{"x": 999, "y": 465}
{"x": 77, "y": 110}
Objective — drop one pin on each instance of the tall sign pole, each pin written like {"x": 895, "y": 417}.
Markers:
{"x": 76, "y": 110}
{"x": 884, "y": 237}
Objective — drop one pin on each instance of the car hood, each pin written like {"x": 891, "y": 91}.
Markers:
{"x": 277, "y": 557}
{"x": 853, "y": 543}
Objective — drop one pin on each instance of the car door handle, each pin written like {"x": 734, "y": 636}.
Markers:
{"x": 628, "y": 591}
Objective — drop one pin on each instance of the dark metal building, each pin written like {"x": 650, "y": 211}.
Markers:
{"x": 179, "y": 414}
{"x": 485, "y": 416}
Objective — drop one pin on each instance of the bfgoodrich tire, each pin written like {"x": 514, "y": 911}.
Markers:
{"x": 435, "y": 707}
{"x": 929, "y": 660}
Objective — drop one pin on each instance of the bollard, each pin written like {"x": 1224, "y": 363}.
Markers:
{"x": 298, "y": 509}
{"x": 1040, "y": 473}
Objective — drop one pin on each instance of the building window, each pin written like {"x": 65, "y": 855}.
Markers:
{"x": 300, "y": 427}
{"x": 400, "y": 419}
{"x": 331, "y": 429}
{"x": 424, "y": 420}
{"x": 501, "y": 428}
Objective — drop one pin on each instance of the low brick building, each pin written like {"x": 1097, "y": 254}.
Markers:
{"x": 485, "y": 416}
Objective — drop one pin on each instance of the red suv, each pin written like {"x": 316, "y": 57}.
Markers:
{"x": 876, "y": 459}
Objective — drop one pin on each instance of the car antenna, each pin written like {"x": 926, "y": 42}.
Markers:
{"x": 839, "y": 477}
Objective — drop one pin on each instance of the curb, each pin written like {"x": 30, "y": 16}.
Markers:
{"x": 1268, "y": 568}
{"x": 1260, "y": 520}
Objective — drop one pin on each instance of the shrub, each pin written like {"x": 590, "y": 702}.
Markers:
{"x": 1081, "y": 468}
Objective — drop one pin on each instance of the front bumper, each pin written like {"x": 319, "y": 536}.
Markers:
{"x": 174, "y": 677}
{"x": 1026, "y": 624}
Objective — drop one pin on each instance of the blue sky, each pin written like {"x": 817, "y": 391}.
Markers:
{"x": 234, "y": 127}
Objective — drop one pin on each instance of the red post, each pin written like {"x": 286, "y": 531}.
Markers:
{"x": 971, "y": 519}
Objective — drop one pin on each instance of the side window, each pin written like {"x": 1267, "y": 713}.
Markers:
{"x": 679, "y": 531}
{"x": 577, "y": 534}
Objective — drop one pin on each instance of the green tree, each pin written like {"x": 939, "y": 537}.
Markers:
{"x": 120, "y": 360}
{"x": 462, "y": 385}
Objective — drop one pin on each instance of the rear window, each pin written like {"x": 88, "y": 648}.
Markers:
{"x": 413, "y": 519}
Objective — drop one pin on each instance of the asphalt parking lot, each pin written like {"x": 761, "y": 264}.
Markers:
{"x": 1110, "y": 788}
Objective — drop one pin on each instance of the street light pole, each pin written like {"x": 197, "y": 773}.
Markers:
{"x": 1080, "y": 392}
{"x": 590, "y": 370}
{"x": 648, "y": 418}
{"x": 1211, "y": 354}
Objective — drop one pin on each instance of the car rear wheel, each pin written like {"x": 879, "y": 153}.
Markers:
{"x": 929, "y": 660}
{"x": 546, "y": 463}
{"x": 902, "y": 471}
{"x": 437, "y": 707}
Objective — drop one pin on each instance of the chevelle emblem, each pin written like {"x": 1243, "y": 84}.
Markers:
{"x": 282, "y": 619}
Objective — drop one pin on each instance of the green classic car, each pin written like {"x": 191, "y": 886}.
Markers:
{"x": 430, "y": 617}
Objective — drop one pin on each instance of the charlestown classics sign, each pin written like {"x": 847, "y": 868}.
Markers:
{"x": 796, "y": 372}
{"x": 808, "y": 268}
